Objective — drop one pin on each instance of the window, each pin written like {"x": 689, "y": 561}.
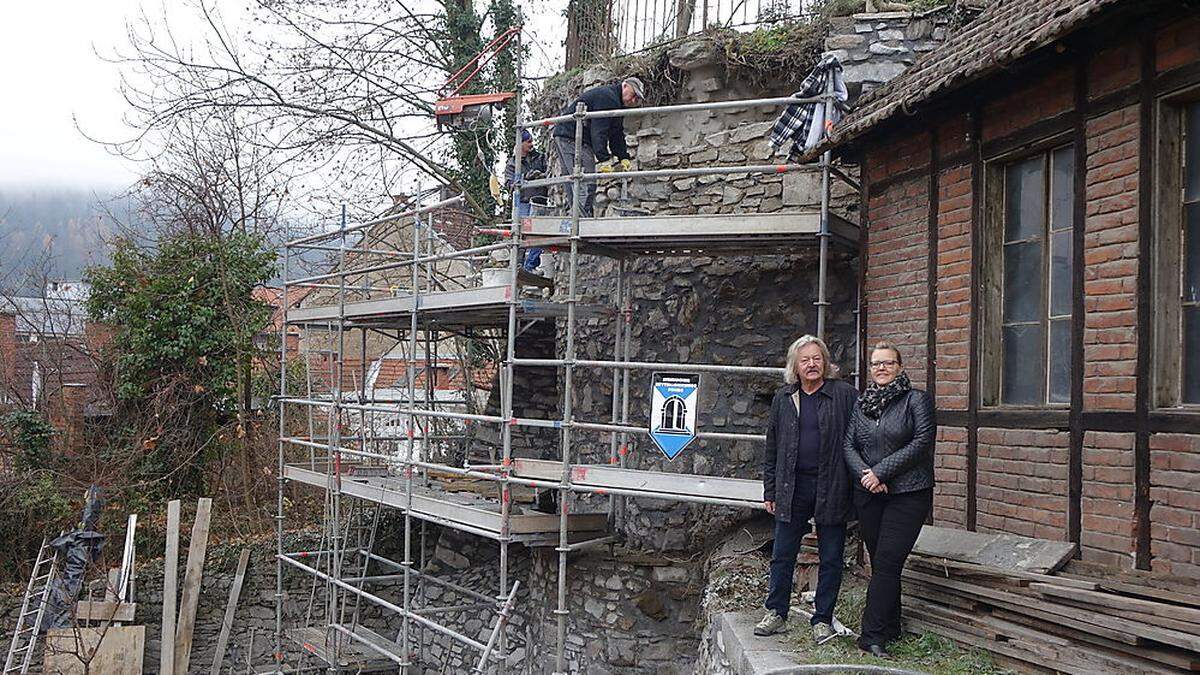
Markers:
{"x": 1034, "y": 219}
{"x": 1177, "y": 257}
{"x": 1190, "y": 252}
{"x": 674, "y": 415}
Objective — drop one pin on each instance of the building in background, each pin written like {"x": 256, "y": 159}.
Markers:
{"x": 1031, "y": 241}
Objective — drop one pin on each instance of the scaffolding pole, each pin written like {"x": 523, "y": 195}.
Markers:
{"x": 425, "y": 416}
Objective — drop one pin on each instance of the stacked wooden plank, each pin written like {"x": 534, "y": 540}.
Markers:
{"x": 1040, "y": 621}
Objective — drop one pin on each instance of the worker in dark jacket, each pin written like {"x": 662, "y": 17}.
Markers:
{"x": 805, "y": 477}
{"x": 889, "y": 452}
{"x": 533, "y": 167}
{"x": 603, "y": 137}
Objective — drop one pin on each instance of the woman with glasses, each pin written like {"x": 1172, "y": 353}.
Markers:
{"x": 889, "y": 452}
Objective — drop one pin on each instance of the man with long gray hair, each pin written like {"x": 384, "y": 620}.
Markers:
{"x": 805, "y": 478}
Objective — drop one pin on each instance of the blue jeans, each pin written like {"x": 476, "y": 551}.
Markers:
{"x": 831, "y": 545}
{"x": 533, "y": 256}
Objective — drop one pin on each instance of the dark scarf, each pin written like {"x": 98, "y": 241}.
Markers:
{"x": 875, "y": 398}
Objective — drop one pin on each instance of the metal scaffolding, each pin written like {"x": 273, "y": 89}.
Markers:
{"x": 363, "y": 468}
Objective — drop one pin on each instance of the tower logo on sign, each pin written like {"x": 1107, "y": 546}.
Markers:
{"x": 673, "y": 399}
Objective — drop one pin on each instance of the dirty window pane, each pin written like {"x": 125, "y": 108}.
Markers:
{"x": 1191, "y": 354}
{"x": 1025, "y": 199}
{"x": 1022, "y": 281}
{"x": 1191, "y": 254}
{"x": 1060, "y": 273}
{"x": 1191, "y": 189}
{"x": 1023, "y": 371}
{"x": 1062, "y": 189}
{"x": 1060, "y": 361}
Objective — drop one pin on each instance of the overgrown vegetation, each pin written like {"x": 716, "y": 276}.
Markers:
{"x": 184, "y": 315}
{"x": 33, "y": 503}
{"x": 776, "y": 55}
{"x": 185, "y": 322}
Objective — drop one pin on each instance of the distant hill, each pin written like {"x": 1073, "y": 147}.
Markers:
{"x": 71, "y": 223}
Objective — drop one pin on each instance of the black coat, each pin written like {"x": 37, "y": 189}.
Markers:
{"x": 604, "y": 135}
{"x": 835, "y": 401}
{"x": 898, "y": 446}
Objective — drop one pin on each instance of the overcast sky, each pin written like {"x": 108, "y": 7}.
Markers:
{"x": 51, "y": 72}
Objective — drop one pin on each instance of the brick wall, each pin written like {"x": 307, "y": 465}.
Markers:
{"x": 1107, "y": 501}
{"x": 897, "y": 254}
{"x": 1049, "y": 95}
{"x": 1178, "y": 44}
{"x": 1110, "y": 256}
{"x": 1021, "y": 477}
{"x": 8, "y": 352}
{"x": 1113, "y": 69}
{"x": 1022, "y": 485}
{"x": 1175, "y": 504}
{"x": 950, "y": 474}
{"x": 953, "y": 287}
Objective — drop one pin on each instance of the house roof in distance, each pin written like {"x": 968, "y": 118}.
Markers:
{"x": 1003, "y": 33}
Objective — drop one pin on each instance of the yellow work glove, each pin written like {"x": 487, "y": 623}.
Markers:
{"x": 606, "y": 168}
{"x": 626, "y": 165}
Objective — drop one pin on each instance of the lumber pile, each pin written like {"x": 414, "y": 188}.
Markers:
{"x": 1047, "y": 622}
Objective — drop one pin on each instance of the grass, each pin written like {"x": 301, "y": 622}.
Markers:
{"x": 926, "y": 652}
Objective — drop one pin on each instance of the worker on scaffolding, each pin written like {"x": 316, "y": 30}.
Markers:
{"x": 805, "y": 477}
{"x": 533, "y": 167}
{"x": 603, "y": 137}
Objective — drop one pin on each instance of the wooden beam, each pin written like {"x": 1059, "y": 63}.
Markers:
{"x": 969, "y": 569}
{"x": 166, "y": 663}
{"x": 1078, "y": 242}
{"x": 931, "y": 271}
{"x": 1145, "y": 314}
{"x": 1187, "y": 614}
{"x": 973, "y": 374}
{"x": 105, "y": 611}
{"x": 230, "y": 609}
{"x": 190, "y": 598}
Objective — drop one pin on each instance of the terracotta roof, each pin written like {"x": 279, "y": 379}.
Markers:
{"x": 1005, "y": 32}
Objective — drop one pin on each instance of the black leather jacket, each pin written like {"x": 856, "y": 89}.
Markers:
{"x": 834, "y": 404}
{"x": 898, "y": 446}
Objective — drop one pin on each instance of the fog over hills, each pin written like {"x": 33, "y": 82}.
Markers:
{"x": 69, "y": 224}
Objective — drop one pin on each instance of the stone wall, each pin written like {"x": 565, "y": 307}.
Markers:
{"x": 630, "y": 612}
{"x": 741, "y": 310}
{"x": 874, "y": 48}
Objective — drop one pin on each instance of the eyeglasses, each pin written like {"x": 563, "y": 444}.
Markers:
{"x": 890, "y": 363}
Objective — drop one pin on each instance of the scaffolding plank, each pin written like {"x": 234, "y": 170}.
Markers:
{"x": 190, "y": 599}
{"x": 314, "y": 640}
{"x": 483, "y": 306}
{"x": 696, "y": 233}
{"x": 468, "y": 510}
{"x": 657, "y": 484}
{"x": 1006, "y": 551}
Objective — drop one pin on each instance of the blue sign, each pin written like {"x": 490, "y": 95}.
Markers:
{"x": 673, "y": 400}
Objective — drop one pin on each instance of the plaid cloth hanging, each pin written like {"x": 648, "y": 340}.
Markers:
{"x": 795, "y": 125}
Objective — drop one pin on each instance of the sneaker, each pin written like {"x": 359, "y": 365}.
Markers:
{"x": 822, "y": 633}
{"x": 771, "y": 624}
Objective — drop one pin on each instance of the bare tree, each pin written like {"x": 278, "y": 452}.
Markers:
{"x": 347, "y": 87}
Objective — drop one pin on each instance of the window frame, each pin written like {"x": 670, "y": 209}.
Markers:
{"x": 1167, "y": 252}
{"x": 992, "y": 243}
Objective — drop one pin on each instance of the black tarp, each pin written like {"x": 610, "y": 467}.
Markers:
{"x": 77, "y": 551}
